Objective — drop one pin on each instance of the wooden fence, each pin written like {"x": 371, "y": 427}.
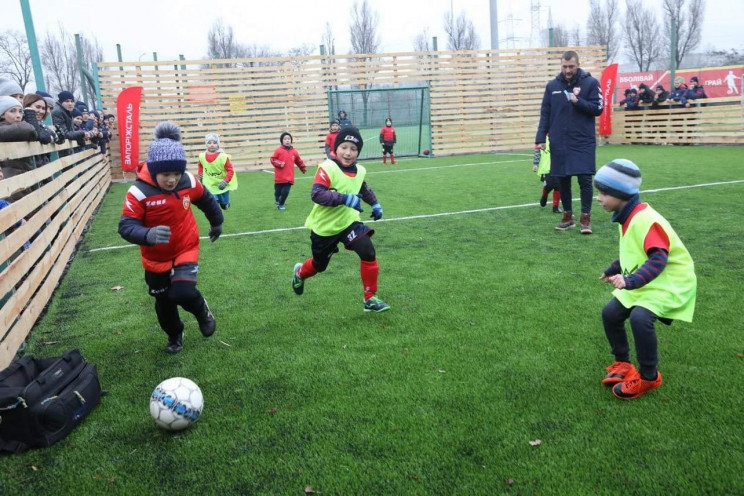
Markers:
{"x": 481, "y": 101}
{"x": 61, "y": 197}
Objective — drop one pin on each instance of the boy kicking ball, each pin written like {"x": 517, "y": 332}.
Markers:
{"x": 654, "y": 278}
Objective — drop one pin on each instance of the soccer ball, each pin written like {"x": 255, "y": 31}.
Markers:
{"x": 426, "y": 151}
{"x": 176, "y": 403}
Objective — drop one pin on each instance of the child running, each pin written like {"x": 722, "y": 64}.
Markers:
{"x": 331, "y": 137}
{"x": 654, "y": 278}
{"x": 337, "y": 189}
{"x": 157, "y": 216}
{"x": 284, "y": 159}
{"x": 541, "y": 165}
{"x": 216, "y": 171}
{"x": 388, "y": 141}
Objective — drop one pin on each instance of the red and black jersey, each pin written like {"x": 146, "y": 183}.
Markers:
{"x": 387, "y": 135}
{"x": 146, "y": 205}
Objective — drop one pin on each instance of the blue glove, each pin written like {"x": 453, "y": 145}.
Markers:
{"x": 352, "y": 201}
{"x": 376, "y": 211}
{"x": 223, "y": 184}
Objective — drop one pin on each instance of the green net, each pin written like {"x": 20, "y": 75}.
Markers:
{"x": 409, "y": 108}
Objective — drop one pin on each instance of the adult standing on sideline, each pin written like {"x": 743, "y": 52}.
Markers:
{"x": 571, "y": 103}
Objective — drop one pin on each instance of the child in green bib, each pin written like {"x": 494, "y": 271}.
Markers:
{"x": 654, "y": 279}
{"x": 338, "y": 189}
{"x": 216, "y": 171}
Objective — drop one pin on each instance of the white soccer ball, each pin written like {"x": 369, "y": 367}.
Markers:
{"x": 176, "y": 403}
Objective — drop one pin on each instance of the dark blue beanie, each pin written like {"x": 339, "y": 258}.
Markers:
{"x": 64, "y": 96}
{"x": 166, "y": 153}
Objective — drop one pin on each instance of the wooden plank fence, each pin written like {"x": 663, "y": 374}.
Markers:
{"x": 61, "y": 198}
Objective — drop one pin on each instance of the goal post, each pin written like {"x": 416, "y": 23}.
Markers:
{"x": 408, "y": 107}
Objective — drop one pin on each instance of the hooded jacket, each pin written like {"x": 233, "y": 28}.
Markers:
{"x": 571, "y": 125}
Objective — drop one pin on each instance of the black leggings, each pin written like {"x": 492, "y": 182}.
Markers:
{"x": 281, "y": 192}
{"x": 585, "y": 189}
{"x": 614, "y": 315}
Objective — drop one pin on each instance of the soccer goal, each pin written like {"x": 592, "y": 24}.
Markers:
{"x": 409, "y": 108}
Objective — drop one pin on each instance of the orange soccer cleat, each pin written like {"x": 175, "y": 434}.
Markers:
{"x": 635, "y": 387}
{"x": 618, "y": 372}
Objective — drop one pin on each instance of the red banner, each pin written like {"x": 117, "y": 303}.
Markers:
{"x": 127, "y": 111}
{"x": 607, "y": 87}
{"x": 717, "y": 81}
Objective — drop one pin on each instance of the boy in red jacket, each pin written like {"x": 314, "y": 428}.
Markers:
{"x": 331, "y": 138}
{"x": 157, "y": 216}
{"x": 284, "y": 159}
{"x": 388, "y": 140}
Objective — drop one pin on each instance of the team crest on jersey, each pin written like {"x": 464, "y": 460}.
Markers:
{"x": 186, "y": 201}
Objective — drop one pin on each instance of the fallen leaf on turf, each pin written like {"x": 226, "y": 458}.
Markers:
{"x": 117, "y": 288}
{"x": 225, "y": 344}
{"x": 441, "y": 371}
{"x": 310, "y": 490}
{"x": 509, "y": 482}
{"x": 34, "y": 468}
{"x": 536, "y": 442}
{"x": 740, "y": 355}
{"x": 273, "y": 410}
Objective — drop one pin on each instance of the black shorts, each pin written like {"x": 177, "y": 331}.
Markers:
{"x": 159, "y": 282}
{"x": 387, "y": 147}
{"x": 323, "y": 247}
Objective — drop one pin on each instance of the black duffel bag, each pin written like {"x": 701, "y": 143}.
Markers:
{"x": 43, "y": 399}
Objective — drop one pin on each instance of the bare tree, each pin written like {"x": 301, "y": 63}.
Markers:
{"x": 601, "y": 26}
{"x": 364, "y": 40}
{"x": 461, "y": 33}
{"x": 363, "y": 29}
{"x": 15, "y": 58}
{"x": 642, "y": 36}
{"x": 59, "y": 59}
{"x": 301, "y": 51}
{"x": 688, "y": 26}
{"x": 328, "y": 41}
{"x": 221, "y": 43}
{"x": 574, "y": 36}
{"x": 560, "y": 36}
{"x": 421, "y": 41}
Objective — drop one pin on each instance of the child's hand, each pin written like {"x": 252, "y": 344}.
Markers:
{"x": 222, "y": 185}
{"x": 617, "y": 280}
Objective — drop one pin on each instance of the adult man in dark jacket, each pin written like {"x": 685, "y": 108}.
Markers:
{"x": 570, "y": 105}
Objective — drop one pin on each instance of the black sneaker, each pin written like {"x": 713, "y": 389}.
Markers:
{"x": 543, "y": 200}
{"x": 175, "y": 344}
{"x": 207, "y": 325}
{"x": 557, "y": 210}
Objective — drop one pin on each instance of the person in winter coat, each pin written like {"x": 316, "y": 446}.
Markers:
{"x": 284, "y": 159}
{"x": 13, "y": 129}
{"x": 35, "y": 110}
{"x": 696, "y": 90}
{"x": 388, "y": 141}
{"x": 570, "y": 106}
{"x": 157, "y": 216}
{"x": 62, "y": 119}
{"x": 661, "y": 95}
{"x": 679, "y": 93}
{"x": 631, "y": 99}
{"x": 343, "y": 119}
{"x": 645, "y": 95}
{"x": 216, "y": 171}
{"x": 331, "y": 137}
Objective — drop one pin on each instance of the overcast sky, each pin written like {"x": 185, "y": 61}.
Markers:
{"x": 176, "y": 27}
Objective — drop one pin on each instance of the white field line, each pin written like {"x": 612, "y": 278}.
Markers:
{"x": 429, "y": 216}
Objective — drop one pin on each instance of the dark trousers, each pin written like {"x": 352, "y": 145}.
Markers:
{"x": 614, "y": 315}
{"x": 281, "y": 192}
{"x": 585, "y": 190}
{"x": 174, "y": 289}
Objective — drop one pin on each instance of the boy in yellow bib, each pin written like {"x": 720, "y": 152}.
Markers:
{"x": 216, "y": 172}
{"x": 338, "y": 188}
{"x": 654, "y": 278}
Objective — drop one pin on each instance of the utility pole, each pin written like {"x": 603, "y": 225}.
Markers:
{"x": 494, "y": 26}
{"x": 673, "y": 52}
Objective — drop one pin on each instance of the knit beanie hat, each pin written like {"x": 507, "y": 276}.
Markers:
{"x": 8, "y": 102}
{"x": 349, "y": 133}
{"x": 9, "y": 87}
{"x": 63, "y": 96}
{"x": 76, "y": 113}
{"x": 212, "y": 137}
{"x": 679, "y": 79}
{"x": 281, "y": 137}
{"x": 694, "y": 78}
{"x": 47, "y": 98}
{"x": 620, "y": 178}
{"x": 166, "y": 153}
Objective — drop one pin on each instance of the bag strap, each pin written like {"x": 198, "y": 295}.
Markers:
{"x": 13, "y": 446}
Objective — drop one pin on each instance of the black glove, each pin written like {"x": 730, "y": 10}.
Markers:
{"x": 376, "y": 212}
{"x": 158, "y": 235}
{"x": 215, "y": 232}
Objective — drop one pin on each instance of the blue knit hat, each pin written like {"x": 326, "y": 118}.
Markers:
{"x": 166, "y": 153}
{"x": 76, "y": 113}
{"x": 63, "y": 96}
{"x": 620, "y": 178}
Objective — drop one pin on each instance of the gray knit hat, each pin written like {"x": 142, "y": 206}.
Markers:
{"x": 166, "y": 153}
{"x": 9, "y": 87}
{"x": 8, "y": 102}
{"x": 620, "y": 178}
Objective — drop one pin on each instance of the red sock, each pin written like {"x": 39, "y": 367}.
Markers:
{"x": 369, "y": 272}
{"x": 556, "y": 198}
{"x": 307, "y": 269}
{"x": 545, "y": 191}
